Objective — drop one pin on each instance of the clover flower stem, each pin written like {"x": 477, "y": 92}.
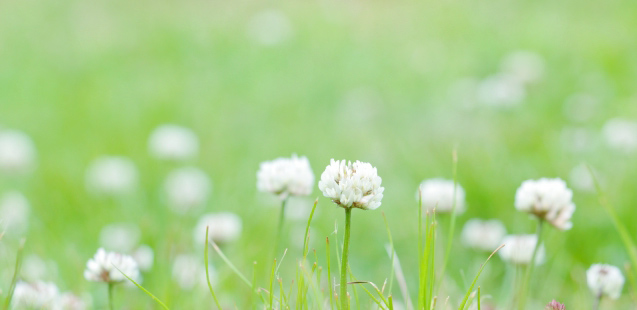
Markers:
{"x": 529, "y": 270}
{"x": 344, "y": 260}
{"x": 598, "y": 300}
{"x": 280, "y": 226}
{"x": 110, "y": 295}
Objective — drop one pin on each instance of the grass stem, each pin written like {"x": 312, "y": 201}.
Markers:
{"x": 344, "y": 260}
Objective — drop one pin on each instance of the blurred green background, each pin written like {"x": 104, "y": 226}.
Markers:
{"x": 369, "y": 80}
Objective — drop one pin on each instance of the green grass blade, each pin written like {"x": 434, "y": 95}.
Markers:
{"x": 212, "y": 292}
{"x": 391, "y": 245}
{"x": 14, "y": 279}
{"x": 230, "y": 264}
{"x": 143, "y": 289}
{"x": 466, "y": 297}
{"x": 272, "y": 285}
{"x": 307, "y": 230}
{"x": 452, "y": 224}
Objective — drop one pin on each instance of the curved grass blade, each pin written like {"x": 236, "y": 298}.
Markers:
{"x": 143, "y": 289}
{"x": 212, "y": 292}
{"x": 466, "y": 297}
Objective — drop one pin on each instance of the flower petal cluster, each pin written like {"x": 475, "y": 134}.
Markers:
{"x": 112, "y": 175}
{"x": 36, "y": 295}
{"x": 438, "y": 194}
{"x": 483, "y": 235}
{"x": 548, "y": 199}
{"x": 518, "y": 250}
{"x": 17, "y": 152}
{"x": 352, "y": 185}
{"x": 286, "y": 177}
{"x": 605, "y": 280}
{"x": 186, "y": 189}
{"x": 555, "y": 305}
{"x": 103, "y": 267}
{"x": 223, "y": 227}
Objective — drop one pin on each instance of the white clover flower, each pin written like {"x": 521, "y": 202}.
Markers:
{"x": 605, "y": 280}
{"x": 36, "y": 295}
{"x": 172, "y": 142}
{"x": 145, "y": 257}
{"x": 17, "y": 152}
{"x": 186, "y": 189}
{"x": 621, "y": 135}
{"x": 270, "y": 27}
{"x": 286, "y": 177}
{"x": 188, "y": 271}
{"x": 483, "y": 235}
{"x": 525, "y": 66}
{"x": 120, "y": 237}
{"x": 501, "y": 90}
{"x": 69, "y": 301}
{"x": 518, "y": 250}
{"x": 352, "y": 185}
{"x": 14, "y": 213}
{"x": 439, "y": 194}
{"x": 112, "y": 175}
{"x": 103, "y": 267}
{"x": 224, "y": 227}
{"x": 548, "y": 199}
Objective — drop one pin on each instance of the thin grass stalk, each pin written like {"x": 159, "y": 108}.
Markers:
{"x": 524, "y": 289}
{"x": 272, "y": 285}
{"x": 230, "y": 264}
{"x": 110, "y": 291}
{"x": 205, "y": 255}
{"x": 479, "y": 298}
{"x": 16, "y": 271}
{"x": 391, "y": 245}
{"x": 110, "y": 296}
{"x": 344, "y": 260}
{"x": 452, "y": 224}
{"x": 466, "y": 297}
{"x": 279, "y": 230}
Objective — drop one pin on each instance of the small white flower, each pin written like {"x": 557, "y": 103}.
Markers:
{"x": 518, "y": 249}
{"x": 103, "y": 267}
{"x": 438, "y": 194}
{"x": 36, "y": 295}
{"x": 145, "y": 257}
{"x": 621, "y": 135}
{"x": 14, "y": 213}
{"x": 605, "y": 280}
{"x": 525, "y": 66}
{"x": 483, "y": 235}
{"x": 286, "y": 177}
{"x": 120, "y": 237}
{"x": 188, "y": 271}
{"x": 501, "y": 90}
{"x": 172, "y": 142}
{"x": 186, "y": 189}
{"x": 224, "y": 227}
{"x": 352, "y": 185}
{"x": 548, "y": 199}
{"x": 270, "y": 27}
{"x": 17, "y": 152}
{"x": 69, "y": 301}
{"x": 111, "y": 175}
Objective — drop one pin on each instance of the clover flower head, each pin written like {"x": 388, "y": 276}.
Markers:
{"x": 36, "y": 295}
{"x": 518, "y": 250}
{"x": 555, "y": 305}
{"x": 223, "y": 227}
{"x": 111, "y": 176}
{"x": 173, "y": 142}
{"x": 14, "y": 213}
{"x": 286, "y": 177}
{"x": 438, "y": 194}
{"x": 17, "y": 152}
{"x": 110, "y": 267}
{"x": 548, "y": 199}
{"x": 605, "y": 280}
{"x": 483, "y": 235}
{"x": 352, "y": 185}
{"x": 186, "y": 189}
{"x": 621, "y": 135}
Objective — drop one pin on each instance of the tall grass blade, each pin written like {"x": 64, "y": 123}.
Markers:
{"x": 230, "y": 264}
{"x": 466, "y": 297}
{"x": 205, "y": 255}
{"x": 14, "y": 279}
{"x": 161, "y": 303}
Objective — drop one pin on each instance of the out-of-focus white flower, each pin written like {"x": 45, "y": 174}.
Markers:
{"x": 286, "y": 177}
{"x": 188, "y": 271}
{"x": 172, "y": 142}
{"x": 525, "y": 66}
{"x": 103, "y": 267}
{"x": 35, "y": 268}
{"x": 17, "y": 152}
{"x": 69, "y": 301}
{"x": 581, "y": 178}
{"x": 14, "y": 213}
{"x": 518, "y": 249}
{"x": 621, "y": 135}
{"x": 352, "y": 185}
{"x": 298, "y": 208}
{"x": 548, "y": 199}
{"x": 186, "y": 189}
{"x": 36, "y": 295}
{"x": 439, "y": 194}
{"x": 483, "y": 235}
{"x": 270, "y": 27}
{"x": 224, "y": 227}
{"x": 501, "y": 90}
{"x": 576, "y": 139}
{"x": 145, "y": 257}
{"x": 120, "y": 237}
{"x": 112, "y": 175}
{"x": 605, "y": 280}
{"x": 581, "y": 107}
